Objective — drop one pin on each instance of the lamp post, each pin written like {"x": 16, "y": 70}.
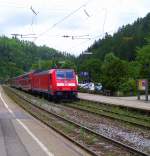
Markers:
{"x": 89, "y": 73}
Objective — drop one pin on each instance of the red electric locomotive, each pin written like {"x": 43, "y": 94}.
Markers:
{"x": 55, "y": 83}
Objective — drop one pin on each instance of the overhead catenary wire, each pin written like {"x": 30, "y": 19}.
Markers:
{"x": 15, "y": 35}
{"x": 92, "y": 38}
{"x": 35, "y": 13}
{"x": 63, "y": 19}
{"x": 86, "y": 13}
{"x": 72, "y": 37}
{"x": 77, "y": 37}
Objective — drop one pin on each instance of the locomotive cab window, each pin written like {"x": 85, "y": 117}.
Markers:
{"x": 60, "y": 74}
{"x": 64, "y": 74}
{"x": 69, "y": 74}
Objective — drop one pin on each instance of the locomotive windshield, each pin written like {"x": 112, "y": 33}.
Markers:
{"x": 65, "y": 74}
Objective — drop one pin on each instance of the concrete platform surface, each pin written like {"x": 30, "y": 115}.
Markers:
{"x": 122, "y": 101}
{"x": 23, "y": 135}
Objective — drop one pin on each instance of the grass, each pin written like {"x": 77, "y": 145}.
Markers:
{"x": 89, "y": 139}
{"x": 114, "y": 112}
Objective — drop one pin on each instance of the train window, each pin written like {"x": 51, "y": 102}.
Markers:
{"x": 69, "y": 75}
{"x": 60, "y": 74}
{"x": 65, "y": 74}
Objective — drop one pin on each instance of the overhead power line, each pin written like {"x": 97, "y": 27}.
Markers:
{"x": 86, "y": 13}
{"x": 24, "y": 35}
{"x": 76, "y": 37}
{"x": 63, "y": 19}
{"x": 33, "y": 11}
{"x": 92, "y": 38}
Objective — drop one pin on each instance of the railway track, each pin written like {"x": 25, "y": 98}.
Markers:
{"x": 89, "y": 131}
{"x": 131, "y": 119}
{"x": 109, "y": 110}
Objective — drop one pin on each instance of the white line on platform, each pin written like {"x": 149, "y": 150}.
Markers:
{"x": 44, "y": 148}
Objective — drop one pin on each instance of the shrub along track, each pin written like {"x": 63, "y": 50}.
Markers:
{"x": 86, "y": 138}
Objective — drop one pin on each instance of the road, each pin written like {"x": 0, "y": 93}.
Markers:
{"x": 23, "y": 135}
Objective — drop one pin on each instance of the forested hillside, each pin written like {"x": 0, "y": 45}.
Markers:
{"x": 124, "y": 42}
{"x": 118, "y": 60}
{"x": 17, "y": 57}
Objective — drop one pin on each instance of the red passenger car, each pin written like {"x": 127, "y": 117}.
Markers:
{"x": 26, "y": 81}
{"x": 16, "y": 82}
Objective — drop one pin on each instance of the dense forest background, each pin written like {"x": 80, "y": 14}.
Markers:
{"x": 117, "y": 60}
{"x": 17, "y": 57}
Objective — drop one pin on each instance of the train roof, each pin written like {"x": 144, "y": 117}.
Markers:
{"x": 49, "y": 71}
{"x": 39, "y": 72}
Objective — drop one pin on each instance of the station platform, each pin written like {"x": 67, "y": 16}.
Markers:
{"x": 23, "y": 135}
{"x": 130, "y": 102}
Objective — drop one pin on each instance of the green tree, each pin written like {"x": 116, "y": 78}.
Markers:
{"x": 143, "y": 57}
{"x": 93, "y": 66}
{"x": 134, "y": 69}
{"x": 44, "y": 65}
{"x": 114, "y": 72}
{"x": 68, "y": 64}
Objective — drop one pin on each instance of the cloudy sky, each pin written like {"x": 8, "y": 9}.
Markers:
{"x": 68, "y": 25}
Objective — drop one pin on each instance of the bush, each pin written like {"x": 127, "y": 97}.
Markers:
{"x": 128, "y": 87}
{"x": 114, "y": 72}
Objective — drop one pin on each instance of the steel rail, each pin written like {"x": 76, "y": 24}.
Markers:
{"x": 101, "y": 114}
{"x": 128, "y": 148}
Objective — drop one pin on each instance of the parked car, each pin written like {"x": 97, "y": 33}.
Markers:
{"x": 98, "y": 87}
{"x": 88, "y": 86}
